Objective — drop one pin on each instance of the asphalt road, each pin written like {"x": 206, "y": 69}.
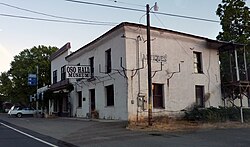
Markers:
{"x": 73, "y": 132}
{"x": 12, "y": 138}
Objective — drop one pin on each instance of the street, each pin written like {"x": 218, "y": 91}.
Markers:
{"x": 82, "y": 132}
{"x": 12, "y": 138}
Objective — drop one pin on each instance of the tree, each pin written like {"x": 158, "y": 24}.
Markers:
{"x": 25, "y": 63}
{"x": 5, "y": 87}
{"x": 235, "y": 22}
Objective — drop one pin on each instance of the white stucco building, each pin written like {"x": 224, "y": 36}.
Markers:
{"x": 185, "y": 71}
{"x": 59, "y": 102}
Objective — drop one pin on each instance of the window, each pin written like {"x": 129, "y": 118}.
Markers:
{"x": 108, "y": 61}
{"x": 55, "y": 105}
{"x": 199, "y": 94}
{"x": 197, "y": 62}
{"x": 158, "y": 96}
{"x": 63, "y": 73}
{"x": 54, "y": 76}
{"x": 65, "y": 104}
{"x": 92, "y": 99}
{"x": 79, "y": 99}
{"x": 91, "y": 63}
{"x": 110, "y": 95}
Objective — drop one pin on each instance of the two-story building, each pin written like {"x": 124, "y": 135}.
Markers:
{"x": 185, "y": 72}
{"x": 59, "y": 102}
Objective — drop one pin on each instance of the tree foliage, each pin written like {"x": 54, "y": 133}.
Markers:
{"x": 5, "y": 87}
{"x": 26, "y": 63}
{"x": 235, "y": 22}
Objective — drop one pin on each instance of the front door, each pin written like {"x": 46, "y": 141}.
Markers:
{"x": 92, "y": 99}
{"x": 60, "y": 103}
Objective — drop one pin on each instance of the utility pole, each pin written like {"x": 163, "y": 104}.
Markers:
{"x": 149, "y": 68}
{"x": 37, "y": 87}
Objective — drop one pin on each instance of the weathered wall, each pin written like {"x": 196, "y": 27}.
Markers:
{"x": 179, "y": 90}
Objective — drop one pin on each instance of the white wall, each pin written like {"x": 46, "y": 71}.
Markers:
{"x": 179, "y": 91}
{"x": 57, "y": 63}
{"x": 117, "y": 45}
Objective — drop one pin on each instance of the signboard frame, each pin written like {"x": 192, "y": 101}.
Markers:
{"x": 32, "y": 79}
{"x": 78, "y": 71}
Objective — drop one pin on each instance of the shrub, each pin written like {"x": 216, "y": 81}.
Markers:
{"x": 213, "y": 114}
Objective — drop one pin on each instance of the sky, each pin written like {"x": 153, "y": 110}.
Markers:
{"x": 17, "y": 34}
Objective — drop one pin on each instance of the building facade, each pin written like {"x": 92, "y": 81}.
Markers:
{"x": 59, "y": 102}
{"x": 185, "y": 72}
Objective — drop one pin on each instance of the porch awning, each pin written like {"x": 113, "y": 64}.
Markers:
{"x": 62, "y": 85}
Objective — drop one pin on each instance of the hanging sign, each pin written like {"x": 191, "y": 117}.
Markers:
{"x": 32, "y": 79}
{"x": 78, "y": 71}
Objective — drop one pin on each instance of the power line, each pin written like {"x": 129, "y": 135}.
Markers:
{"x": 187, "y": 17}
{"x": 90, "y": 22}
{"x": 159, "y": 20}
{"x": 104, "y": 5}
{"x": 54, "y": 20}
{"x": 131, "y": 4}
{"x": 139, "y": 10}
{"x": 207, "y": 75}
{"x": 54, "y": 16}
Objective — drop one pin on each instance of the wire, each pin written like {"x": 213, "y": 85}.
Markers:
{"x": 54, "y": 20}
{"x": 104, "y": 5}
{"x": 126, "y": 3}
{"x": 139, "y": 10}
{"x": 208, "y": 72}
{"x": 67, "y": 18}
{"x": 188, "y": 17}
{"x": 159, "y": 20}
{"x": 206, "y": 75}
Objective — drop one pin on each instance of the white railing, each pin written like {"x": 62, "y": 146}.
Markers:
{"x": 241, "y": 113}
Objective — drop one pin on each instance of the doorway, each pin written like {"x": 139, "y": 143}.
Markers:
{"x": 92, "y": 99}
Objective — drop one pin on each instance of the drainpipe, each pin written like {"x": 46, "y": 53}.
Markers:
{"x": 236, "y": 64}
{"x": 139, "y": 77}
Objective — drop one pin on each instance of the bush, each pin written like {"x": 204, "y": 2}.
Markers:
{"x": 213, "y": 114}
{"x": 246, "y": 114}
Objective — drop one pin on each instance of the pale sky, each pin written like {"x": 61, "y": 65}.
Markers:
{"x": 18, "y": 34}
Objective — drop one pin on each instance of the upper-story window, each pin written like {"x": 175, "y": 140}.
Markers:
{"x": 108, "y": 60}
{"x": 197, "y": 62}
{"x": 54, "y": 76}
{"x": 63, "y": 73}
{"x": 91, "y": 63}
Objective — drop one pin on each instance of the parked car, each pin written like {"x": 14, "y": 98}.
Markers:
{"x": 19, "y": 111}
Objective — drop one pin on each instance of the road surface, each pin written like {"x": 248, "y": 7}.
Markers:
{"x": 83, "y": 133}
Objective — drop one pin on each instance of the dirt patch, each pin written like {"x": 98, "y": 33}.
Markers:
{"x": 171, "y": 125}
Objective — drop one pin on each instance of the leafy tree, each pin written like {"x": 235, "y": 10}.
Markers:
{"x": 26, "y": 63}
{"x": 5, "y": 87}
{"x": 235, "y": 22}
